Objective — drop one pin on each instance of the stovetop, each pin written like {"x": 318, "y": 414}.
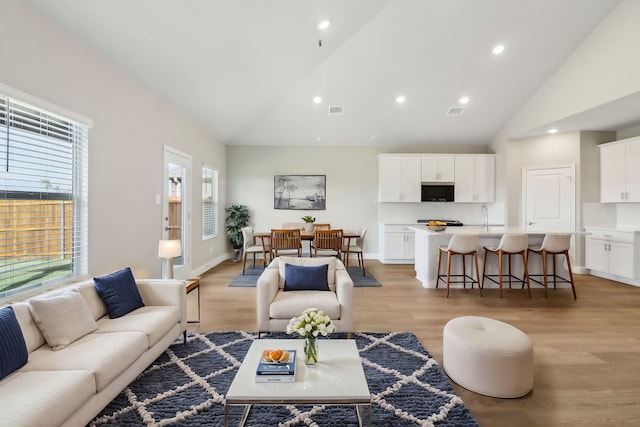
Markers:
{"x": 449, "y": 222}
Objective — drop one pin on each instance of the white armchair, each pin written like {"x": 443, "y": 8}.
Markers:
{"x": 275, "y": 307}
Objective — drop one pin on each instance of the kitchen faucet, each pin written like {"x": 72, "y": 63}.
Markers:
{"x": 485, "y": 217}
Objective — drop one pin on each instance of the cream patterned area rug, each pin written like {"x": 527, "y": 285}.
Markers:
{"x": 186, "y": 386}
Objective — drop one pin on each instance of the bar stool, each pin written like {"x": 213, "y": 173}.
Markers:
{"x": 460, "y": 244}
{"x": 553, "y": 244}
{"x": 510, "y": 244}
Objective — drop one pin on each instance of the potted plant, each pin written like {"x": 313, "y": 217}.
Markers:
{"x": 237, "y": 217}
{"x": 309, "y": 220}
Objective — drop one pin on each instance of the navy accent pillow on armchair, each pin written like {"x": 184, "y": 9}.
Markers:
{"x": 13, "y": 350}
{"x": 305, "y": 278}
{"x": 119, "y": 292}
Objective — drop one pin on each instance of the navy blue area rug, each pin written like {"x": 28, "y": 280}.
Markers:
{"x": 250, "y": 277}
{"x": 186, "y": 386}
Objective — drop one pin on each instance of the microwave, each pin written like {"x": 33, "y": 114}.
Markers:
{"x": 437, "y": 192}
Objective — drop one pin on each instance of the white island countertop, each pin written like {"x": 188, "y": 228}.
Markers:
{"x": 427, "y": 243}
{"x": 490, "y": 231}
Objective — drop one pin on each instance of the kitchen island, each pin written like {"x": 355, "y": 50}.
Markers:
{"x": 427, "y": 243}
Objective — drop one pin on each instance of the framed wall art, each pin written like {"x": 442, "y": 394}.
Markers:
{"x": 300, "y": 192}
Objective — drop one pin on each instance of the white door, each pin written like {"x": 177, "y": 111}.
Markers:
{"x": 176, "y": 216}
{"x": 549, "y": 198}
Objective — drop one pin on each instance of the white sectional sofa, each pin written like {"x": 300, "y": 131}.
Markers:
{"x": 71, "y": 385}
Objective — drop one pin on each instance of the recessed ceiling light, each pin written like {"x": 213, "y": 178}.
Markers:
{"x": 317, "y": 99}
{"x": 464, "y": 100}
{"x": 400, "y": 99}
{"x": 554, "y": 130}
{"x": 498, "y": 49}
{"x": 324, "y": 25}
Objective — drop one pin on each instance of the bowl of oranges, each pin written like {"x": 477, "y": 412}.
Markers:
{"x": 437, "y": 225}
{"x": 275, "y": 356}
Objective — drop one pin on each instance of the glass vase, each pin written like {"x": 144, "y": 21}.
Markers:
{"x": 310, "y": 351}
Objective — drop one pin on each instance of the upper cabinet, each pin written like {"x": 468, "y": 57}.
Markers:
{"x": 475, "y": 178}
{"x": 399, "y": 178}
{"x": 438, "y": 168}
{"x": 619, "y": 171}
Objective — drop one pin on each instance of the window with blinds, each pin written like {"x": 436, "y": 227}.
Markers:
{"x": 209, "y": 202}
{"x": 43, "y": 197}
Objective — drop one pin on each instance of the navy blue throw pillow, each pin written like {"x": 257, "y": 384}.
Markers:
{"x": 305, "y": 278}
{"x": 119, "y": 292}
{"x": 13, "y": 349}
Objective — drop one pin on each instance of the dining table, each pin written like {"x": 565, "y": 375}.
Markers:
{"x": 264, "y": 237}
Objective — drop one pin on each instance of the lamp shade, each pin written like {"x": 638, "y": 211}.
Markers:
{"x": 169, "y": 248}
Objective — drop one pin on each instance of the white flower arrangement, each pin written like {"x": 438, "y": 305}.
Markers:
{"x": 311, "y": 324}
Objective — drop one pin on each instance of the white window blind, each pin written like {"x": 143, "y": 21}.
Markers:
{"x": 209, "y": 202}
{"x": 43, "y": 197}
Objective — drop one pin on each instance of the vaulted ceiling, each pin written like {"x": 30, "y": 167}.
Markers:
{"x": 248, "y": 70}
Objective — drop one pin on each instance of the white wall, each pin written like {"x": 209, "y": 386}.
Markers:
{"x": 351, "y": 174}
{"x": 131, "y": 125}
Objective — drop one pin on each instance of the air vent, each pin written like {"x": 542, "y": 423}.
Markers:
{"x": 336, "y": 110}
{"x": 455, "y": 111}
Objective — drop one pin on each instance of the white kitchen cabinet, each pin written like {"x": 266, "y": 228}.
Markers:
{"x": 397, "y": 244}
{"x": 612, "y": 253}
{"x": 438, "y": 168}
{"x": 475, "y": 178}
{"x": 619, "y": 171}
{"x": 399, "y": 178}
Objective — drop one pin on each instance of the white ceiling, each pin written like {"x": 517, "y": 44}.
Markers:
{"x": 247, "y": 70}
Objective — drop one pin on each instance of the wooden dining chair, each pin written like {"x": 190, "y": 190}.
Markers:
{"x": 327, "y": 243}
{"x": 285, "y": 242}
{"x": 317, "y": 227}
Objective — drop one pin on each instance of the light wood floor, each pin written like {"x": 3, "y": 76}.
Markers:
{"x": 586, "y": 352}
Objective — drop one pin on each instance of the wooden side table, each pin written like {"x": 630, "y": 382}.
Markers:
{"x": 191, "y": 285}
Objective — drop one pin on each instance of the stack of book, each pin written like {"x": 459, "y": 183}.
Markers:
{"x": 277, "y": 370}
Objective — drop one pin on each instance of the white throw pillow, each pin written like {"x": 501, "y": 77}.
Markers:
{"x": 62, "y": 319}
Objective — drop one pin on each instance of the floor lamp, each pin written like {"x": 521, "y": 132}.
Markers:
{"x": 169, "y": 249}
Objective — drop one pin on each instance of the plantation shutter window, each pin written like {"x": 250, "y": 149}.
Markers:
{"x": 209, "y": 202}
{"x": 43, "y": 197}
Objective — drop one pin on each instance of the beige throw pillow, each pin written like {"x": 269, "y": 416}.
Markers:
{"x": 62, "y": 319}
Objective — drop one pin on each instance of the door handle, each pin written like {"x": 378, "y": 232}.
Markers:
{"x": 532, "y": 223}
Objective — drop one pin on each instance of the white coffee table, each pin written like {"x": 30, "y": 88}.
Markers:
{"x": 337, "y": 380}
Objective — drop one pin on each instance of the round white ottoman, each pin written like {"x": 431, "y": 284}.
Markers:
{"x": 488, "y": 356}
